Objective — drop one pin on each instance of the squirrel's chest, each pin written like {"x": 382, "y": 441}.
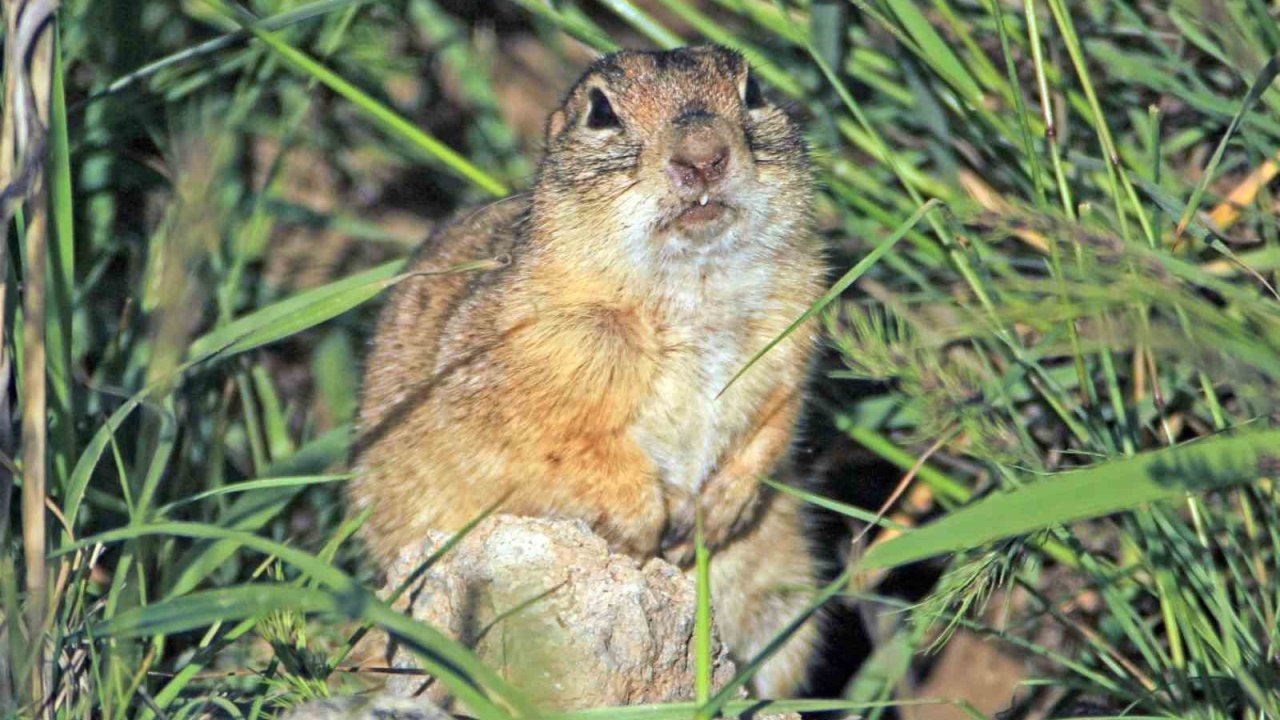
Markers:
{"x": 682, "y": 425}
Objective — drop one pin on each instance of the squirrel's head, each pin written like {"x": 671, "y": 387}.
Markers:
{"x": 672, "y": 155}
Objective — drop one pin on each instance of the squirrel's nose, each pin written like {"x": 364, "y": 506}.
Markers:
{"x": 698, "y": 162}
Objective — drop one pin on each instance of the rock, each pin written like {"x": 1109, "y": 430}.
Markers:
{"x": 386, "y": 706}
{"x": 375, "y": 707}
{"x": 548, "y": 606}
{"x": 974, "y": 670}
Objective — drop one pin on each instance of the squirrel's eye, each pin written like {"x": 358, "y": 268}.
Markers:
{"x": 600, "y": 114}
{"x": 752, "y": 96}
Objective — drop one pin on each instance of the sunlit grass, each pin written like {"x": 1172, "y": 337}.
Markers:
{"x": 1054, "y": 233}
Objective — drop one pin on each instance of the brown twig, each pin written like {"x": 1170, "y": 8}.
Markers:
{"x": 872, "y": 578}
{"x": 903, "y": 484}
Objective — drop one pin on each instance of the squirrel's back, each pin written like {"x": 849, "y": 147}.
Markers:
{"x": 411, "y": 326}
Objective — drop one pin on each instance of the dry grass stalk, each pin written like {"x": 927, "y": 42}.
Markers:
{"x": 28, "y": 79}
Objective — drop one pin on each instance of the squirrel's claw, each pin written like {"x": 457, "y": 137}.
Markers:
{"x": 677, "y": 534}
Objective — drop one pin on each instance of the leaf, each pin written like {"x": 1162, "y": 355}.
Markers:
{"x": 833, "y": 505}
{"x": 293, "y": 314}
{"x": 748, "y": 708}
{"x": 644, "y": 23}
{"x": 209, "y": 47}
{"x": 455, "y": 666}
{"x": 933, "y": 46}
{"x": 251, "y": 485}
{"x": 61, "y": 281}
{"x": 336, "y": 385}
{"x": 1092, "y": 492}
{"x": 202, "y": 609}
{"x": 306, "y": 310}
{"x": 256, "y": 506}
{"x": 83, "y": 470}
{"x": 1261, "y": 83}
{"x": 838, "y": 288}
{"x": 701, "y": 618}
{"x": 389, "y": 119}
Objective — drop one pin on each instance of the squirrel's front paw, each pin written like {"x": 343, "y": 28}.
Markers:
{"x": 639, "y": 532}
{"x": 677, "y": 536}
{"x": 677, "y": 545}
{"x": 730, "y": 506}
{"x": 728, "y": 510}
{"x": 725, "y": 515}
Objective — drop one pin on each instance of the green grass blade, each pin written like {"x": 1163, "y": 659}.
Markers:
{"x": 1092, "y": 492}
{"x": 252, "y": 485}
{"x": 304, "y": 310}
{"x": 776, "y": 76}
{"x": 1117, "y": 178}
{"x": 61, "y": 279}
{"x": 1266, "y": 76}
{"x": 932, "y": 45}
{"x": 202, "y": 609}
{"x": 452, "y": 663}
{"x": 838, "y": 288}
{"x": 645, "y": 23}
{"x": 209, "y": 47}
{"x": 323, "y": 572}
{"x": 249, "y": 512}
{"x": 575, "y": 24}
{"x": 749, "y": 708}
{"x": 293, "y": 314}
{"x": 833, "y": 505}
{"x": 252, "y": 510}
{"x": 88, "y": 461}
{"x": 390, "y": 120}
{"x": 701, "y": 618}
{"x": 275, "y": 423}
{"x": 885, "y": 668}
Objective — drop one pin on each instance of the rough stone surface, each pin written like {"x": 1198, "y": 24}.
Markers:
{"x": 385, "y": 706}
{"x": 376, "y": 707}
{"x": 546, "y": 604}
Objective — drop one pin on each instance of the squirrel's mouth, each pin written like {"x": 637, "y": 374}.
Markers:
{"x": 702, "y": 215}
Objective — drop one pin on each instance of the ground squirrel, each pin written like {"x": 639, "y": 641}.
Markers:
{"x": 668, "y": 237}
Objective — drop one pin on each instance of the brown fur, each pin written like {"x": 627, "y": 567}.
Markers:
{"x": 579, "y": 380}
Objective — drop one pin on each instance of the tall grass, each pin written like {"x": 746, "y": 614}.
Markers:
{"x": 1056, "y": 230}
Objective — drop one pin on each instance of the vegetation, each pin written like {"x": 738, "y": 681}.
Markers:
{"x": 1059, "y": 318}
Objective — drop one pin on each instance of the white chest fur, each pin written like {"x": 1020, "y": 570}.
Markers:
{"x": 706, "y": 338}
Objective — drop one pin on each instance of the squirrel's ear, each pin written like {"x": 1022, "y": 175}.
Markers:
{"x": 555, "y": 124}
